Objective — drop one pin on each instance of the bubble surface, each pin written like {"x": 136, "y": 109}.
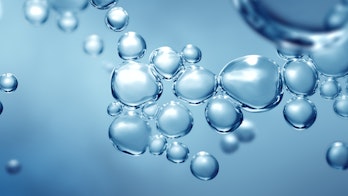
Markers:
{"x": 340, "y": 106}
{"x": 246, "y": 131}
{"x": 68, "y": 5}
{"x": 204, "y": 166}
{"x": 330, "y": 88}
{"x": 177, "y": 152}
{"x": 67, "y": 22}
{"x": 8, "y": 82}
{"x": 36, "y": 12}
{"x": 229, "y": 143}
{"x": 150, "y": 109}
{"x": 116, "y": 19}
{"x": 93, "y": 45}
{"x": 191, "y": 53}
{"x": 131, "y": 46}
{"x": 337, "y": 155}
{"x": 13, "y": 166}
{"x": 157, "y": 144}
{"x": 103, "y": 4}
{"x": 114, "y": 108}
{"x": 167, "y": 62}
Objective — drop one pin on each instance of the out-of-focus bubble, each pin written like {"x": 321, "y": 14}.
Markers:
{"x": 67, "y": 22}
{"x": 340, "y": 106}
{"x": 93, "y": 45}
{"x": 13, "y": 166}
{"x": 246, "y": 131}
{"x": 157, "y": 144}
{"x": 177, "y": 152}
{"x": 1, "y": 10}
{"x": 150, "y": 109}
{"x": 114, "y": 108}
{"x": 68, "y": 5}
{"x": 116, "y": 19}
{"x": 103, "y": 4}
{"x": 36, "y": 12}
{"x": 8, "y": 82}
{"x": 131, "y": 46}
{"x": 191, "y": 54}
{"x": 330, "y": 88}
{"x": 204, "y": 166}
{"x": 337, "y": 155}
{"x": 229, "y": 143}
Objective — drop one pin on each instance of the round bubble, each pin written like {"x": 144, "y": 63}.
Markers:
{"x": 116, "y": 19}
{"x": 300, "y": 113}
{"x": 157, "y": 144}
{"x": 134, "y": 83}
{"x": 222, "y": 114}
{"x": 150, "y": 109}
{"x": 167, "y": 62}
{"x": 131, "y": 46}
{"x": 340, "y": 106}
{"x": 114, "y": 108}
{"x": 191, "y": 53}
{"x": 204, "y": 166}
{"x": 130, "y": 133}
{"x": 93, "y": 45}
{"x": 13, "y": 166}
{"x": 246, "y": 131}
{"x": 337, "y": 155}
{"x": 177, "y": 152}
{"x": 8, "y": 82}
{"x": 254, "y": 81}
{"x": 67, "y": 22}
{"x": 36, "y": 12}
{"x": 174, "y": 120}
{"x": 68, "y": 5}
{"x": 229, "y": 143}
{"x": 103, "y": 4}
{"x": 330, "y": 88}
{"x": 195, "y": 85}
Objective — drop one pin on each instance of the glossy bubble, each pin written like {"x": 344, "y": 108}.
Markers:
{"x": 13, "y": 166}
{"x": 116, "y": 19}
{"x": 340, "y": 106}
{"x": 8, "y": 82}
{"x": 167, "y": 62}
{"x": 68, "y": 5}
{"x": 254, "y": 81}
{"x": 150, "y": 109}
{"x": 246, "y": 131}
{"x": 131, "y": 46}
{"x": 114, "y": 108}
{"x": 93, "y": 45}
{"x": 300, "y": 113}
{"x": 67, "y": 22}
{"x": 134, "y": 83}
{"x": 157, "y": 144}
{"x": 330, "y": 88}
{"x": 36, "y": 12}
{"x": 130, "y": 133}
{"x": 174, "y": 120}
{"x": 191, "y": 53}
{"x": 177, "y": 152}
{"x": 222, "y": 114}
{"x": 300, "y": 77}
{"x": 204, "y": 166}
{"x": 337, "y": 155}
{"x": 229, "y": 143}
{"x": 195, "y": 85}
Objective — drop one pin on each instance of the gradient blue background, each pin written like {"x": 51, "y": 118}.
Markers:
{"x": 56, "y": 123}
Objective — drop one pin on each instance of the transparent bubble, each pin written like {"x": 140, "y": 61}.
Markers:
{"x": 130, "y": 133}
{"x": 13, "y": 166}
{"x": 337, "y": 155}
{"x": 116, "y": 19}
{"x": 254, "y": 81}
{"x": 68, "y": 5}
{"x": 103, "y": 4}
{"x": 67, "y": 22}
{"x": 174, "y": 120}
{"x": 36, "y": 12}
{"x": 93, "y": 45}
{"x": 131, "y": 46}
{"x": 246, "y": 131}
{"x": 195, "y": 85}
{"x": 8, "y": 82}
{"x": 300, "y": 77}
{"x": 150, "y": 109}
{"x": 300, "y": 113}
{"x": 204, "y": 166}
{"x": 191, "y": 53}
{"x": 114, "y": 108}
{"x": 229, "y": 143}
{"x": 222, "y": 114}
{"x": 340, "y": 106}
{"x": 167, "y": 62}
{"x": 134, "y": 83}
{"x": 157, "y": 144}
{"x": 177, "y": 152}
{"x": 330, "y": 88}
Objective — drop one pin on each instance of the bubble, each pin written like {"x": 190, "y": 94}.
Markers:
{"x": 204, "y": 166}
{"x": 36, "y": 12}
{"x": 337, "y": 155}
{"x": 8, "y": 82}
{"x": 246, "y": 131}
{"x": 150, "y": 109}
{"x": 300, "y": 77}
{"x": 340, "y": 106}
{"x": 67, "y": 22}
{"x": 174, "y": 120}
{"x": 134, "y": 83}
{"x": 222, "y": 114}
{"x": 177, "y": 152}
{"x": 157, "y": 144}
{"x": 300, "y": 113}
{"x": 1, "y": 10}
{"x": 114, "y": 108}
{"x": 1, "y": 107}
{"x": 229, "y": 143}
{"x": 93, "y": 45}
{"x": 167, "y": 62}
{"x": 254, "y": 81}
{"x": 13, "y": 166}
{"x": 289, "y": 54}
{"x": 195, "y": 85}
{"x": 68, "y": 5}
{"x": 130, "y": 133}
{"x": 131, "y": 46}
{"x": 330, "y": 88}
{"x": 103, "y": 4}
{"x": 191, "y": 53}
{"x": 117, "y": 19}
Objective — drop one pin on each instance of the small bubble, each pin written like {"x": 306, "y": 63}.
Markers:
{"x": 246, "y": 131}
{"x": 204, "y": 166}
{"x": 338, "y": 17}
{"x": 116, "y": 19}
{"x": 8, "y": 82}
{"x": 1, "y": 107}
{"x": 13, "y": 166}
{"x": 330, "y": 88}
{"x": 36, "y": 12}
{"x": 103, "y": 4}
{"x": 150, "y": 109}
{"x": 340, "y": 106}
{"x": 157, "y": 144}
{"x": 131, "y": 46}
{"x": 229, "y": 143}
{"x": 191, "y": 53}
{"x": 67, "y": 22}
{"x": 93, "y": 45}
{"x": 177, "y": 152}
{"x": 114, "y": 108}
{"x": 337, "y": 155}
{"x": 68, "y": 5}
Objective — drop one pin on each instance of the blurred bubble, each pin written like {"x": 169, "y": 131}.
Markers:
{"x": 337, "y": 155}
{"x": 93, "y": 45}
{"x": 116, "y": 19}
{"x": 150, "y": 109}
{"x": 191, "y": 53}
{"x": 103, "y": 4}
{"x": 177, "y": 152}
{"x": 204, "y": 166}
{"x": 229, "y": 143}
{"x": 8, "y": 82}
{"x": 13, "y": 166}
{"x": 36, "y": 12}
{"x": 67, "y": 22}
{"x": 246, "y": 131}
{"x": 330, "y": 88}
{"x": 157, "y": 144}
{"x": 131, "y": 46}
{"x": 62, "y": 6}
{"x": 114, "y": 108}
{"x": 340, "y": 106}
{"x": 1, "y": 10}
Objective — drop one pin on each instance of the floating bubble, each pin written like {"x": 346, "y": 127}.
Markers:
{"x": 195, "y": 85}
{"x": 116, "y": 19}
{"x": 229, "y": 143}
{"x": 246, "y": 131}
{"x": 204, "y": 166}
{"x": 130, "y": 133}
{"x": 337, "y": 155}
{"x": 330, "y": 88}
{"x": 174, "y": 120}
{"x": 134, "y": 83}
{"x": 300, "y": 77}
{"x": 68, "y": 5}
{"x": 300, "y": 113}
{"x": 36, "y": 12}
{"x": 67, "y": 22}
{"x": 191, "y": 53}
{"x": 167, "y": 62}
{"x": 8, "y": 82}
{"x": 93, "y": 45}
{"x": 340, "y": 105}
{"x": 103, "y": 4}
{"x": 13, "y": 166}
{"x": 131, "y": 46}
{"x": 157, "y": 144}
{"x": 177, "y": 152}
{"x": 114, "y": 108}
{"x": 222, "y": 114}
{"x": 254, "y": 81}
{"x": 150, "y": 109}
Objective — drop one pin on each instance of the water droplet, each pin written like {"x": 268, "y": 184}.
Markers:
{"x": 300, "y": 113}
{"x": 204, "y": 166}
{"x": 246, "y": 131}
{"x": 114, "y": 108}
{"x": 8, "y": 82}
{"x": 177, "y": 152}
{"x": 222, "y": 114}
{"x": 67, "y": 22}
{"x": 130, "y": 133}
{"x": 68, "y": 5}
{"x": 103, "y": 4}
{"x": 191, "y": 53}
{"x": 300, "y": 77}
{"x": 174, "y": 120}
{"x": 330, "y": 88}
{"x": 36, "y": 12}
{"x": 167, "y": 62}
{"x": 254, "y": 81}
{"x": 340, "y": 105}
{"x": 131, "y": 46}
{"x": 134, "y": 83}
{"x": 337, "y": 155}
{"x": 157, "y": 144}
{"x": 93, "y": 45}
{"x": 117, "y": 19}
{"x": 13, "y": 166}
{"x": 195, "y": 85}
{"x": 150, "y": 109}
{"x": 229, "y": 143}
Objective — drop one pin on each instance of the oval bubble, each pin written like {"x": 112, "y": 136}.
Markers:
{"x": 157, "y": 144}
{"x": 131, "y": 46}
{"x": 340, "y": 106}
{"x": 191, "y": 54}
{"x": 93, "y": 45}
{"x": 330, "y": 88}
{"x": 8, "y": 82}
{"x": 114, "y": 108}
{"x": 103, "y": 4}
{"x": 229, "y": 143}
{"x": 177, "y": 152}
{"x": 67, "y": 22}
{"x": 204, "y": 166}
{"x": 36, "y": 12}
{"x": 116, "y": 19}
{"x": 13, "y": 166}
{"x": 337, "y": 155}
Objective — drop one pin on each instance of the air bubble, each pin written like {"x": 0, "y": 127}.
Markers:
{"x": 13, "y": 166}
{"x": 68, "y": 5}
{"x": 131, "y": 46}
{"x": 330, "y": 88}
{"x": 8, "y": 82}
{"x": 150, "y": 109}
{"x": 103, "y": 4}
{"x": 337, "y": 155}
{"x": 67, "y": 22}
{"x": 1, "y": 107}
{"x": 246, "y": 131}
{"x": 93, "y": 45}
{"x": 157, "y": 144}
{"x": 191, "y": 54}
{"x": 114, "y": 108}
{"x": 116, "y": 19}
{"x": 204, "y": 166}
{"x": 340, "y": 106}
{"x": 36, "y": 12}
{"x": 229, "y": 143}
{"x": 177, "y": 152}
